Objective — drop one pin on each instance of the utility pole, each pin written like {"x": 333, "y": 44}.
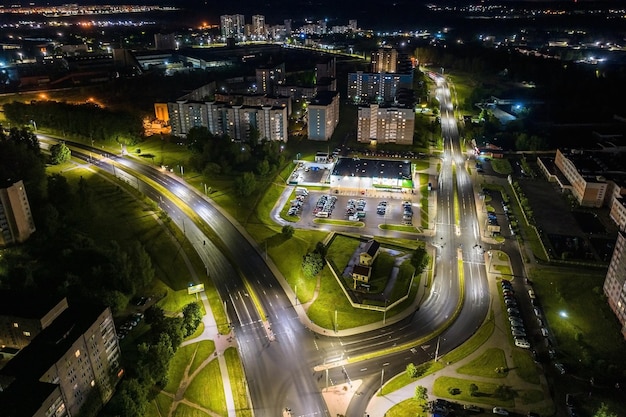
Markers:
{"x": 437, "y": 349}
{"x": 382, "y": 377}
{"x": 335, "y": 321}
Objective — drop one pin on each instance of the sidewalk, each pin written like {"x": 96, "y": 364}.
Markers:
{"x": 500, "y": 339}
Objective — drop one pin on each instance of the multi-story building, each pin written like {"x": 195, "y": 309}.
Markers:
{"x": 236, "y": 121}
{"x": 326, "y": 69}
{"x": 164, "y": 41}
{"x": 16, "y": 219}
{"x": 323, "y": 115}
{"x": 269, "y": 77}
{"x": 384, "y": 60}
{"x": 376, "y": 87}
{"x": 233, "y": 26}
{"x": 21, "y": 322}
{"x": 376, "y": 124}
{"x": 588, "y": 189}
{"x": 73, "y": 361}
{"x": 258, "y": 27}
{"x": 615, "y": 281}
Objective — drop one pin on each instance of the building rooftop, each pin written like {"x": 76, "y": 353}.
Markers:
{"x": 323, "y": 98}
{"x": 26, "y": 305}
{"x": 52, "y": 343}
{"x": 13, "y": 399}
{"x": 372, "y": 168}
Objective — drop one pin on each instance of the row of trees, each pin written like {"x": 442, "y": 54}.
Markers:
{"x": 87, "y": 120}
{"x": 218, "y": 155}
{"x": 155, "y": 352}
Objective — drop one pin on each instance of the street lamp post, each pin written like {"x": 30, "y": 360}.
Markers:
{"x": 437, "y": 349}
{"x": 335, "y": 321}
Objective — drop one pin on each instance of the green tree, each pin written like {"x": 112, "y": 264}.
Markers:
{"x": 59, "y": 154}
{"x": 288, "y": 231}
{"x": 604, "y": 411}
{"x": 263, "y": 168}
{"x": 312, "y": 264}
{"x": 245, "y": 184}
{"x": 192, "y": 317}
{"x": 130, "y": 400}
{"x": 419, "y": 259}
{"x": 421, "y": 393}
{"x": 473, "y": 388}
{"x": 411, "y": 370}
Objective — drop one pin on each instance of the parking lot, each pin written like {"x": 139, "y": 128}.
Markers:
{"x": 371, "y": 210}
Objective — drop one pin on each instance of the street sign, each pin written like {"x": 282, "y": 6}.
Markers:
{"x": 194, "y": 289}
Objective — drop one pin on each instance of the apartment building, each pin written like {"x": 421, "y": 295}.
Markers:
{"x": 384, "y": 60}
{"x": 323, "y": 115}
{"x": 233, "y": 26}
{"x": 72, "y": 361}
{"x": 615, "y": 281}
{"x": 236, "y": 121}
{"x": 16, "y": 219}
{"x": 258, "y": 30}
{"x": 376, "y": 87}
{"x": 379, "y": 124}
{"x": 589, "y": 189}
{"x": 269, "y": 77}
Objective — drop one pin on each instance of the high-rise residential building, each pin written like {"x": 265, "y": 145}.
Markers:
{"x": 615, "y": 281}
{"x": 376, "y": 87}
{"x": 16, "y": 219}
{"x": 352, "y": 24}
{"x": 233, "y": 26}
{"x": 384, "y": 60}
{"x": 164, "y": 41}
{"x": 73, "y": 361}
{"x": 287, "y": 24}
{"x": 385, "y": 124}
{"x": 236, "y": 121}
{"x": 323, "y": 115}
{"x": 326, "y": 69}
{"x": 258, "y": 27}
{"x": 269, "y": 77}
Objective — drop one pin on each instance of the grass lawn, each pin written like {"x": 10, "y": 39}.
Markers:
{"x": 524, "y": 365}
{"x": 333, "y": 222}
{"x": 503, "y": 269}
{"x": 501, "y": 166}
{"x": 403, "y": 379}
{"x": 184, "y": 410}
{"x": 486, "y": 364}
{"x": 341, "y": 250}
{"x": 159, "y": 406}
{"x": 204, "y": 349}
{"x": 421, "y": 164}
{"x": 331, "y": 298}
{"x": 471, "y": 345}
{"x": 237, "y": 382}
{"x": 178, "y": 364}
{"x": 399, "y": 228}
{"x": 207, "y": 389}
{"x": 407, "y": 408}
{"x": 485, "y": 394}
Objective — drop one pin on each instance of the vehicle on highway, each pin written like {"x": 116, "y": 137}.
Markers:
{"x": 500, "y": 411}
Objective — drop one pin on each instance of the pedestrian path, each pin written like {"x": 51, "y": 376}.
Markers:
{"x": 379, "y": 405}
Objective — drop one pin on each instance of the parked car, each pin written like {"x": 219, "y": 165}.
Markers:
{"x": 522, "y": 343}
{"x": 472, "y": 408}
{"x": 518, "y": 333}
{"x": 500, "y": 411}
{"x": 559, "y": 367}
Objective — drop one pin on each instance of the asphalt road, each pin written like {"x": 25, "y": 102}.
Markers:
{"x": 279, "y": 363}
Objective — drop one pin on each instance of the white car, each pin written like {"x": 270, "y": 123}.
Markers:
{"x": 522, "y": 343}
{"x": 500, "y": 411}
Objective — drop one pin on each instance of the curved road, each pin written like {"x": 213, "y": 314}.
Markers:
{"x": 279, "y": 363}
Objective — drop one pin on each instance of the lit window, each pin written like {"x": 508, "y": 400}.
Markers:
{"x": 77, "y": 353}
{"x": 27, "y": 334}
{"x": 16, "y": 325}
